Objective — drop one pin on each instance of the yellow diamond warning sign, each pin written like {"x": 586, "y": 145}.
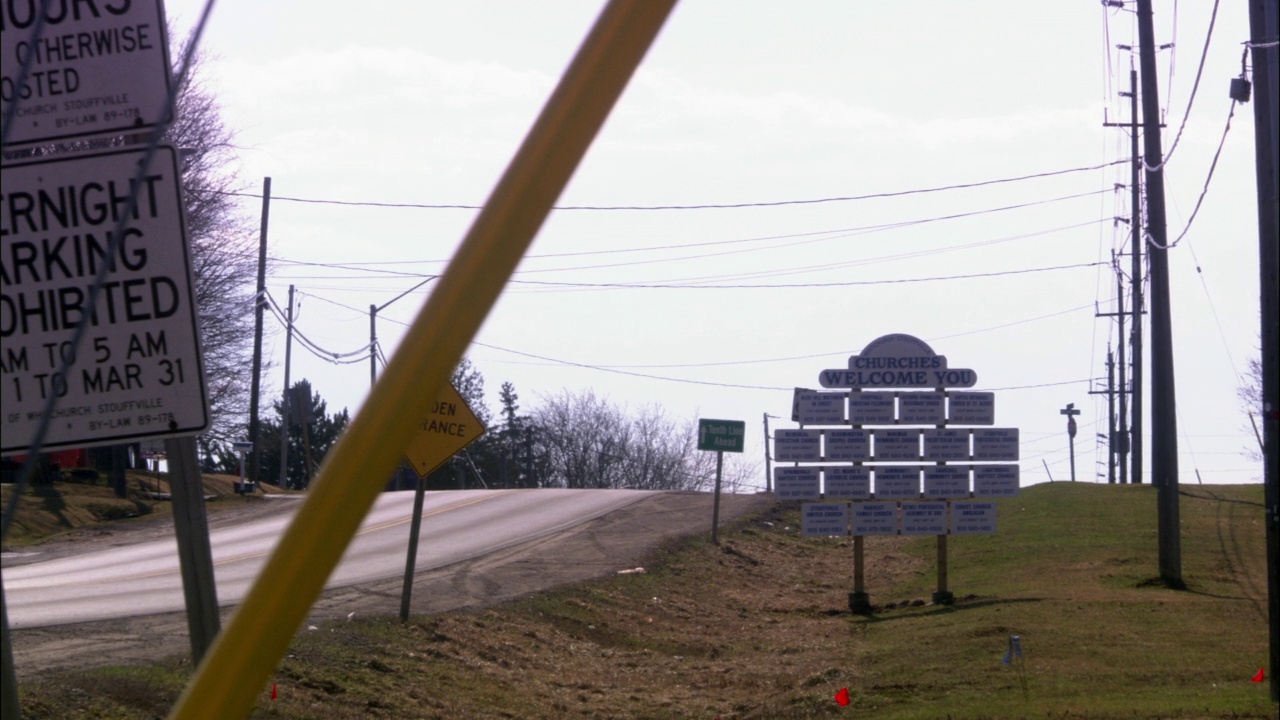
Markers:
{"x": 447, "y": 427}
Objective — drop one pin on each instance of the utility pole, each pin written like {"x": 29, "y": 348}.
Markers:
{"x": 1070, "y": 411}
{"x": 284, "y": 407}
{"x": 1110, "y": 392}
{"x": 1164, "y": 418}
{"x": 259, "y": 303}
{"x": 1135, "y": 280}
{"x": 1111, "y": 417}
{"x": 1264, "y": 27}
{"x": 373, "y": 328}
{"x": 373, "y": 344}
{"x": 1130, "y": 440}
{"x": 1120, "y": 433}
{"x": 768, "y": 458}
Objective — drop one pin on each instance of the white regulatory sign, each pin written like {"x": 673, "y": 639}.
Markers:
{"x": 995, "y": 481}
{"x": 924, "y": 518}
{"x": 139, "y": 373}
{"x": 971, "y": 408}
{"x": 897, "y": 482}
{"x": 98, "y": 67}
{"x": 875, "y": 518}
{"x": 824, "y": 519}
{"x": 896, "y": 445}
{"x": 847, "y": 445}
{"x": 946, "y": 482}
{"x": 973, "y": 518}
{"x": 871, "y": 408}
{"x": 921, "y": 408}
{"x": 810, "y": 407}
{"x": 797, "y": 445}
{"x": 846, "y": 482}
{"x": 797, "y": 483}
{"x": 945, "y": 444}
{"x": 995, "y": 444}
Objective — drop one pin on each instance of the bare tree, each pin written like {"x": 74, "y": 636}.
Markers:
{"x": 1250, "y": 393}
{"x": 585, "y": 441}
{"x": 223, "y": 251}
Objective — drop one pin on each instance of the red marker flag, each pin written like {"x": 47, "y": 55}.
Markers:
{"x": 273, "y": 691}
{"x": 842, "y": 697}
{"x": 1260, "y": 676}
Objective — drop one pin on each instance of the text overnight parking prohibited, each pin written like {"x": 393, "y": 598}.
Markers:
{"x": 139, "y": 371}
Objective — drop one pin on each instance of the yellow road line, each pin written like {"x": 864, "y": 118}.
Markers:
{"x": 234, "y": 671}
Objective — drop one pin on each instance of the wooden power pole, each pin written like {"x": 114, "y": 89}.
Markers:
{"x": 1164, "y": 422}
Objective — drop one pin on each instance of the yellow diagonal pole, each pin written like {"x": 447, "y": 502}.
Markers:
{"x": 235, "y": 670}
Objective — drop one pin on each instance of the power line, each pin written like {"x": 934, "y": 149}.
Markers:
{"x": 1213, "y": 18}
{"x": 724, "y": 206}
{"x": 1212, "y": 166}
{"x": 831, "y": 235}
{"x": 850, "y": 283}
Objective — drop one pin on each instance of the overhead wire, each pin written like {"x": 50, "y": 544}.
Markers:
{"x": 809, "y": 238}
{"x": 847, "y": 283}
{"x": 705, "y": 206}
{"x": 1204, "y": 53}
{"x": 314, "y": 348}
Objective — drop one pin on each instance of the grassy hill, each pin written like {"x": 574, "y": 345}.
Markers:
{"x": 759, "y": 628}
{"x": 84, "y": 501}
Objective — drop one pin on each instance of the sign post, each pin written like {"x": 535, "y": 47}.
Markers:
{"x": 449, "y": 426}
{"x": 1070, "y": 411}
{"x": 242, "y": 448}
{"x": 721, "y": 436}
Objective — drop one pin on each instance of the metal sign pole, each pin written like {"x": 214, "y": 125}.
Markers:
{"x": 715, "y": 511}
{"x": 411, "y": 559}
{"x": 195, "y": 557}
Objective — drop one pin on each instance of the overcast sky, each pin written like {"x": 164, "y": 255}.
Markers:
{"x": 757, "y": 103}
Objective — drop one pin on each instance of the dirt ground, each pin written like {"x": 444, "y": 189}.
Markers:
{"x": 598, "y": 547}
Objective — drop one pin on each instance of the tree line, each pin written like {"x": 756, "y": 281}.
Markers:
{"x": 567, "y": 440}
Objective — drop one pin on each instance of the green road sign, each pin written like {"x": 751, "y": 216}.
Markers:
{"x": 722, "y": 435}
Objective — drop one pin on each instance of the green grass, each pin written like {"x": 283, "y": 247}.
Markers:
{"x": 758, "y": 629}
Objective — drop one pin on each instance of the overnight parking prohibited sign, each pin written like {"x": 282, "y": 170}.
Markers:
{"x": 139, "y": 372}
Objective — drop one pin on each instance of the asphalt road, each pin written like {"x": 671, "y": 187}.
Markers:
{"x": 143, "y": 579}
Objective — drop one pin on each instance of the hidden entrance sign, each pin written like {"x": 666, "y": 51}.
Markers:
{"x": 899, "y": 449}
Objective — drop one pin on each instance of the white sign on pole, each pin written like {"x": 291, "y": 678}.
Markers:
{"x": 945, "y": 444}
{"x": 897, "y": 482}
{"x": 971, "y": 408}
{"x": 824, "y": 519}
{"x": 139, "y": 373}
{"x": 896, "y": 445}
{"x": 797, "y": 483}
{"x": 810, "y": 407}
{"x": 922, "y": 408}
{"x": 97, "y": 68}
{"x": 875, "y": 518}
{"x": 924, "y": 518}
{"x": 797, "y": 445}
{"x": 946, "y": 482}
{"x": 973, "y": 518}
{"x": 897, "y": 361}
{"x": 847, "y": 445}
{"x": 846, "y": 482}
{"x": 871, "y": 408}
{"x": 995, "y": 444}
{"x": 995, "y": 481}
